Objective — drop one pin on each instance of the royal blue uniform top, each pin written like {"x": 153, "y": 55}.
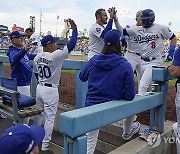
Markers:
{"x": 20, "y": 66}
{"x": 110, "y": 77}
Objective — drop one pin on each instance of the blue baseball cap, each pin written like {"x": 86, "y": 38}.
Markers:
{"x": 15, "y": 34}
{"x": 48, "y": 39}
{"x": 21, "y": 139}
{"x": 112, "y": 37}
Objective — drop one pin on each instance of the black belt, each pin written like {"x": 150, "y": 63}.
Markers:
{"x": 148, "y": 58}
{"x": 135, "y": 53}
{"x": 47, "y": 84}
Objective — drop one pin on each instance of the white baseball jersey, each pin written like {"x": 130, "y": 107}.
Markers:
{"x": 132, "y": 44}
{"x": 48, "y": 65}
{"x": 37, "y": 41}
{"x": 150, "y": 40}
{"x": 96, "y": 43}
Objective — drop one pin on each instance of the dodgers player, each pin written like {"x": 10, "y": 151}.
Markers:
{"x": 47, "y": 68}
{"x": 133, "y": 53}
{"x": 97, "y": 31}
{"x": 151, "y": 38}
{"x": 36, "y": 41}
{"x": 174, "y": 70}
{"x": 133, "y": 56}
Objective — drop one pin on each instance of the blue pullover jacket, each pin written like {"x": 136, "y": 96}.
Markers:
{"x": 20, "y": 66}
{"x": 110, "y": 77}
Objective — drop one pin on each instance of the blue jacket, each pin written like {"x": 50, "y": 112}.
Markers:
{"x": 110, "y": 77}
{"x": 20, "y": 66}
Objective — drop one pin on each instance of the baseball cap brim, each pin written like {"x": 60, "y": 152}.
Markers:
{"x": 38, "y": 134}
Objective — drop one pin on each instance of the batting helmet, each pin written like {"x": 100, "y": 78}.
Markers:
{"x": 149, "y": 16}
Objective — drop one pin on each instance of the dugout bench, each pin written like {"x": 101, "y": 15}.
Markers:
{"x": 15, "y": 105}
{"x": 75, "y": 124}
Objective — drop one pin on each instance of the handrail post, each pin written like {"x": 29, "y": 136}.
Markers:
{"x": 76, "y": 145}
{"x": 81, "y": 89}
{"x": 1, "y": 69}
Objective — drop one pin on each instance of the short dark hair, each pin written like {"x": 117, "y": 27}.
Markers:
{"x": 117, "y": 49}
{"x": 99, "y": 12}
{"x": 29, "y": 29}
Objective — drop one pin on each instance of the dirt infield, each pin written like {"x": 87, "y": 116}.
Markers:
{"x": 67, "y": 95}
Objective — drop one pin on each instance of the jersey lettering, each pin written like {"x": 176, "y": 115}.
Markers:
{"x": 147, "y": 38}
{"x": 44, "y": 71}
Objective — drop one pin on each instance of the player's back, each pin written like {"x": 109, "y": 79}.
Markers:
{"x": 48, "y": 66}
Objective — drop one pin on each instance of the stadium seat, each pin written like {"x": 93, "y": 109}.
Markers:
{"x": 23, "y": 101}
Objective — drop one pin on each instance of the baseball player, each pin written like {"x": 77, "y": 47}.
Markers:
{"x": 174, "y": 70}
{"x": 97, "y": 31}
{"x": 151, "y": 41}
{"x": 47, "y": 68}
{"x": 134, "y": 58}
{"x": 106, "y": 82}
{"x": 133, "y": 53}
{"x": 36, "y": 41}
{"x": 148, "y": 39}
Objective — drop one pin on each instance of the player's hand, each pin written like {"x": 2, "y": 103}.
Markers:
{"x": 72, "y": 23}
{"x": 112, "y": 11}
{"x": 170, "y": 53}
{"x": 28, "y": 45}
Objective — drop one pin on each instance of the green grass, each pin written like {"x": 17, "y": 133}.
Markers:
{"x": 171, "y": 82}
{"x": 3, "y": 54}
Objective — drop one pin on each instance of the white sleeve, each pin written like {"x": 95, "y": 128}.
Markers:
{"x": 34, "y": 38}
{"x": 97, "y": 31}
{"x": 60, "y": 55}
{"x": 166, "y": 32}
{"x": 118, "y": 26}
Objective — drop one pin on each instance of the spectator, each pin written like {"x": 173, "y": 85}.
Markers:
{"x": 110, "y": 77}
{"x": 36, "y": 41}
{"x": 47, "y": 68}
{"x": 21, "y": 139}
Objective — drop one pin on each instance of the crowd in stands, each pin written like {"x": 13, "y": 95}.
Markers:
{"x": 5, "y": 42}
{"x": 81, "y": 45}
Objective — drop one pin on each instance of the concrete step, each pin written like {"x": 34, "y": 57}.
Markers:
{"x": 138, "y": 146}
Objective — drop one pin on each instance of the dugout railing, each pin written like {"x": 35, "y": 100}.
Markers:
{"x": 76, "y": 65}
{"x": 75, "y": 124}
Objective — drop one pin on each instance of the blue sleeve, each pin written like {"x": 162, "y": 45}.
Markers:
{"x": 125, "y": 33}
{"x": 129, "y": 84}
{"x": 31, "y": 56}
{"x": 108, "y": 27}
{"x": 173, "y": 36}
{"x": 17, "y": 56}
{"x": 72, "y": 42}
{"x": 35, "y": 43}
{"x": 83, "y": 76}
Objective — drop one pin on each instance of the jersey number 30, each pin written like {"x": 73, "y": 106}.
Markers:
{"x": 44, "y": 71}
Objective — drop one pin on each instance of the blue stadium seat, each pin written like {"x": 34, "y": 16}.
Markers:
{"x": 23, "y": 101}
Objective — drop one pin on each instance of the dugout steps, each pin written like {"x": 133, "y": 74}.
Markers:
{"x": 109, "y": 139}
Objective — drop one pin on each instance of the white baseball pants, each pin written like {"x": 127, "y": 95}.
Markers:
{"x": 47, "y": 98}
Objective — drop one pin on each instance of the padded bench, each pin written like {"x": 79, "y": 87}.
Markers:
{"x": 15, "y": 105}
